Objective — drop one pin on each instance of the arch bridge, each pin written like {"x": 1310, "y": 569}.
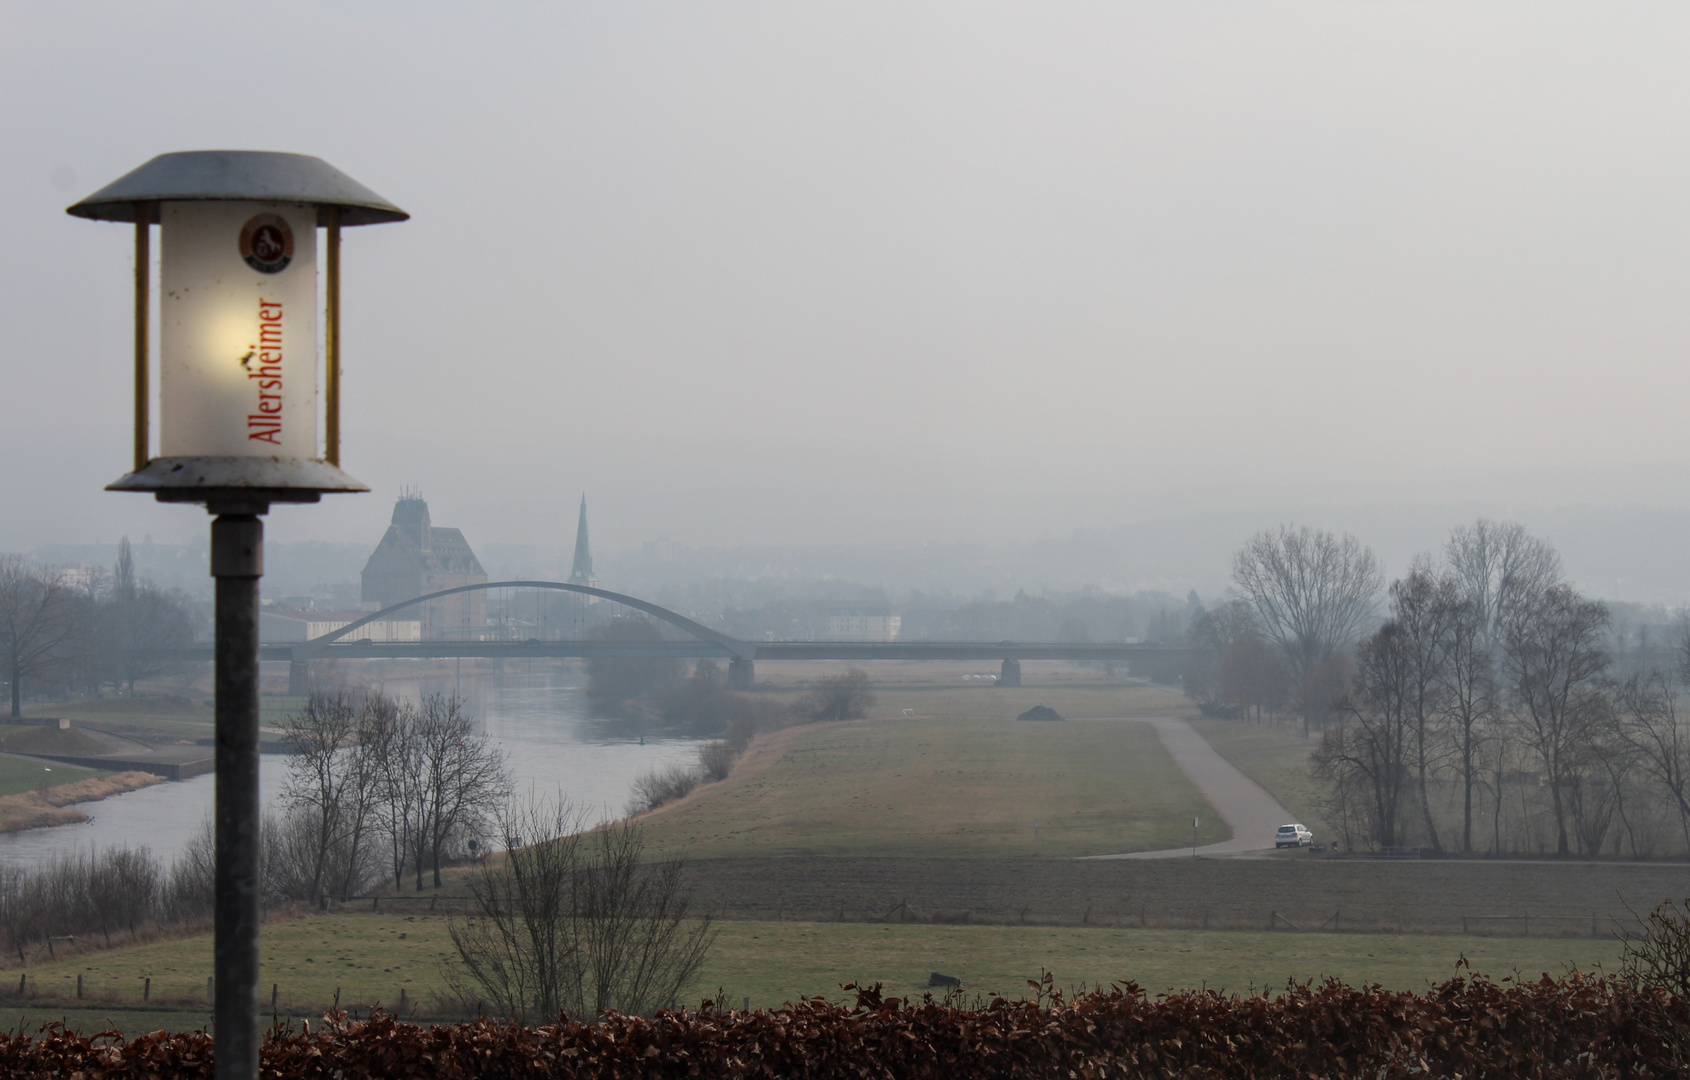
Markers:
{"x": 702, "y": 642}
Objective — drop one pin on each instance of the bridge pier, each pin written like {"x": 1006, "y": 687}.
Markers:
{"x": 299, "y": 678}
{"x": 742, "y": 674}
{"x": 1010, "y": 673}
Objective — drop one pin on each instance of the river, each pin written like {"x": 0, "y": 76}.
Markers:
{"x": 540, "y": 720}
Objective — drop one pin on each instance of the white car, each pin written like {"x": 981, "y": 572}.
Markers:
{"x": 1292, "y": 836}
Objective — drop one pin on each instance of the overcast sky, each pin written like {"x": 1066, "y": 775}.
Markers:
{"x": 864, "y": 273}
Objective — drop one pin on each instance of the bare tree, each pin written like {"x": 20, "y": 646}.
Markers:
{"x": 1213, "y": 634}
{"x": 389, "y": 734}
{"x": 1420, "y": 609}
{"x": 576, "y": 922}
{"x": 1468, "y": 698}
{"x": 1314, "y": 593}
{"x": 40, "y": 620}
{"x": 1646, "y": 717}
{"x": 463, "y": 778}
{"x": 138, "y": 624}
{"x": 1367, "y": 751}
{"x": 1499, "y": 566}
{"x": 1555, "y": 662}
{"x": 1252, "y": 678}
{"x": 331, "y": 790}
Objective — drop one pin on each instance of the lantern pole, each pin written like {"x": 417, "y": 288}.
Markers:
{"x": 224, "y": 449}
{"x": 237, "y": 562}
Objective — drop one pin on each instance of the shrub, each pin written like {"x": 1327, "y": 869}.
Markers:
{"x": 716, "y": 760}
{"x": 574, "y": 920}
{"x": 1577, "y": 1027}
{"x": 660, "y": 786}
{"x": 839, "y": 697}
{"x": 613, "y": 682}
{"x": 1040, "y": 712}
{"x": 1659, "y": 958}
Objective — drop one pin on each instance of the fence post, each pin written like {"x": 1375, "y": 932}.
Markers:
{"x": 22, "y": 979}
{"x": 1463, "y": 924}
{"x": 210, "y": 988}
{"x": 79, "y": 988}
{"x": 147, "y": 989}
{"x": 1273, "y": 920}
{"x": 275, "y": 992}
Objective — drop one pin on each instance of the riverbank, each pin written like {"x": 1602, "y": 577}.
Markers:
{"x": 56, "y": 805}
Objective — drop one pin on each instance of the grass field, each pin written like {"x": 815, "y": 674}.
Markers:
{"x": 938, "y": 690}
{"x": 1277, "y": 760}
{"x": 160, "y": 717}
{"x": 369, "y": 958}
{"x": 944, "y": 787}
{"x": 18, "y": 775}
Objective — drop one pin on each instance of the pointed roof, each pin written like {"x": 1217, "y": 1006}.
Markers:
{"x": 582, "y": 571}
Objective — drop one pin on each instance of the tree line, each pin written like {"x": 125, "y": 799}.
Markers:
{"x": 90, "y": 634}
{"x": 1479, "y": 702}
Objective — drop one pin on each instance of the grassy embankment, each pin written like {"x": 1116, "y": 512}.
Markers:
{"x": 36, "y": 793}
{"x": 150, "y": 718}
{"x": 369, "y": 958}
{"x": 946, "y": 783}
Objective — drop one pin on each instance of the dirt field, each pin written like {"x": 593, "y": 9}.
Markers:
{"x": 1304, "y": 890}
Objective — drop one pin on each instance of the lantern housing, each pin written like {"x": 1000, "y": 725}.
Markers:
{"x": 238, "y": 335}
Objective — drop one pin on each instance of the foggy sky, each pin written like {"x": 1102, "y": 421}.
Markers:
{"x": 887, "y": 273}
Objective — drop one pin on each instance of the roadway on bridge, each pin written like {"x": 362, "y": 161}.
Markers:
{"x": 1243, "y": 804}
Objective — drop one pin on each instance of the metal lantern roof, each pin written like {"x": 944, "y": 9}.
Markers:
{"x": 247, "y": 175}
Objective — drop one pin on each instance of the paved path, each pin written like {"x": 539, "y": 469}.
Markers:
{"x": 1252, "y": 813}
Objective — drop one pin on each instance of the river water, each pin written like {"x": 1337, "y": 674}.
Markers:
{"x": 541, "y": 721}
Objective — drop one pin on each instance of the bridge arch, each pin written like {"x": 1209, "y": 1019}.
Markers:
{"x": 740, "y": 650}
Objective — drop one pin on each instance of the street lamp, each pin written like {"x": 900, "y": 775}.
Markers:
{"x": 237, "y": 432}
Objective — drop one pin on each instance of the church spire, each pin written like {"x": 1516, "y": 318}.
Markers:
{"x": 582, "y": 572}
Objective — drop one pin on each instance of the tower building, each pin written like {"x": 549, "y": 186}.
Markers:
{"x": 416, "y": 558}
{"x": 581, "y": 572}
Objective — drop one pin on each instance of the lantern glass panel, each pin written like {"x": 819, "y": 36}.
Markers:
{"x": 238, "y": 329}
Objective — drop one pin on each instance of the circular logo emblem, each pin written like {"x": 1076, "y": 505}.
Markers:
{"x": 267, "y": 243}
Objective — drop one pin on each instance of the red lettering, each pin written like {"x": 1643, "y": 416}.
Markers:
{"x": 266, "y": 424}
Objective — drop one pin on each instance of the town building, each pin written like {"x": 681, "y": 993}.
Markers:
{"x": 289, "y": 626}
{"x": 416, "y": 558}
{"x": 863, "y": 626}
